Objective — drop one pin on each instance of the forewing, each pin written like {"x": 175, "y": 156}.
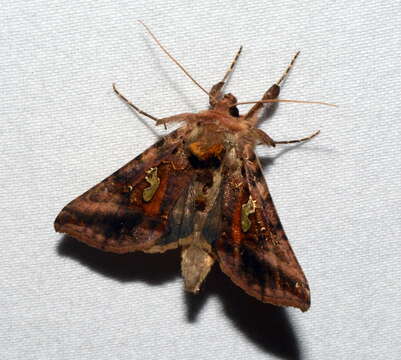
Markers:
{"x": 259, "y": 260}
{"x": 113, "y": 215}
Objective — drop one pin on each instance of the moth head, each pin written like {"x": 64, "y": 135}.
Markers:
{"x": 227, "y": 105}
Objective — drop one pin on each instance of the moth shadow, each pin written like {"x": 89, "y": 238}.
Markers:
{"x": 265, "y": 325}
{"x": 153, "y": 269}
{"x": 267, "y": 160}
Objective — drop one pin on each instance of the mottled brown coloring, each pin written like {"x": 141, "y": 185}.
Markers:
{"x": 200, "y": 188}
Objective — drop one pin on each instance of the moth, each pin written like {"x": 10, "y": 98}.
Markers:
{"x": 200, "y": 188}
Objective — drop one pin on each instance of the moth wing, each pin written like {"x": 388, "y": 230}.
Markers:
{"x": 113, "y": 215}
{"x": 259, "y": 260}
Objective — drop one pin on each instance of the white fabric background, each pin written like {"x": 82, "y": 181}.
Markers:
{"x": 63, "y": 130}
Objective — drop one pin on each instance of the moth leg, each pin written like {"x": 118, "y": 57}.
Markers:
{"x": 252, "y": 115}
{"x": 272, "y": 93}
{"x": 298, "y": 140}
{"x": 263, "y": 137}
{"x": 184, "y": 117}
{"x": 215, "y": 92}
{"x": 267, "y": 140}
{"x": 128, "y": 102}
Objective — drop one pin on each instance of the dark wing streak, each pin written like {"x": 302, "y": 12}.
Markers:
{"x": 260, "y": 260}
{"x": 112, "y": 215}
{"x": 180, "y": 224}
{"x": 103, "y": 245}
{"x": 260, "y": 192}
{"x": 275, "y": 248}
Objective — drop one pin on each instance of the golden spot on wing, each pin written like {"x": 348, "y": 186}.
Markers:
{"x": 246, "y": 210}
{"x": 237, "y": 186}
{"x": 275, "y": 240}
{"x": 154, "y": 182}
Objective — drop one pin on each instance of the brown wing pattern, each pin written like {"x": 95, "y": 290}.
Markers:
{"x": 259, "y": 260}
{"x": 113, "y": 215}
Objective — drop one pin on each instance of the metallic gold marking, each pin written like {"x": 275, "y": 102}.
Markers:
{"x": 275, "y": 242}
{"x": 154, "y": 182}
{"x": 246, "y": 210}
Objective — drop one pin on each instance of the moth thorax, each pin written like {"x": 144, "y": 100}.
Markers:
{"x": 205, "y": 151}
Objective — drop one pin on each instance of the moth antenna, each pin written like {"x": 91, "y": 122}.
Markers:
{"x": 231, "y": 68}
{"x": 286, "y": 101}
{"x": 171, "y": 57}
{"x": 298, "y": 140}
{"x": 288, "y": 69}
